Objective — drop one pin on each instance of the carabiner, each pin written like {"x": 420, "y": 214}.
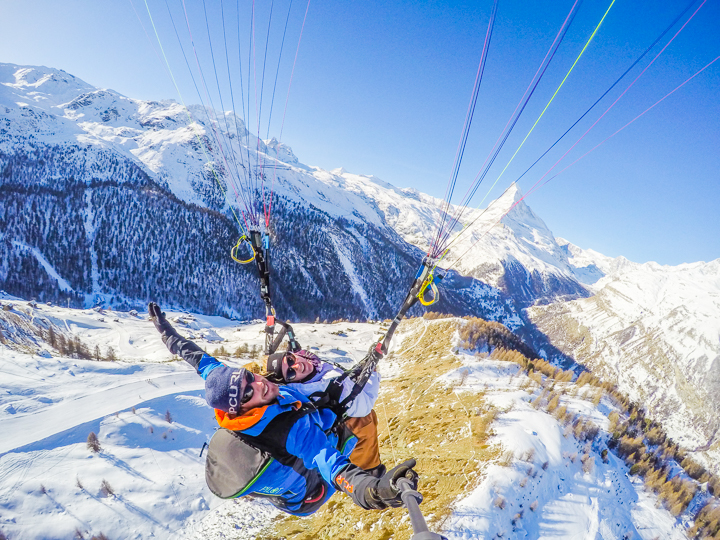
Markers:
{"x": 233, "y": 251}
{"x": 429, "y": 282}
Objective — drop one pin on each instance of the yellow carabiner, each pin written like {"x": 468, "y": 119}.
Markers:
{"x": 436, "y": 295}
{"x": 233, "y": 251}
{"x": 429, "y": 282}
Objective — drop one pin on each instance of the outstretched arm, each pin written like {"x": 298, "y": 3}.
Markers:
{"x": 176, "y": 344}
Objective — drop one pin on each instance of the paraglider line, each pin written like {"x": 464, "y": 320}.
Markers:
{"x": 611, "y": 87}
{"x": 287, "y": 97}
{"x": 536, "y": 187}
{"x": 623, "y": 93}
{"x": 549, "y": 56}
{"x": 466, "y": 127}
{"x": 552, "y": 98}
{"x": 190, "y": 118}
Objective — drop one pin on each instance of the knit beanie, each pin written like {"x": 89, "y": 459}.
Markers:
{"x": 274, "y": 364}
{"x": 224, "y": 388}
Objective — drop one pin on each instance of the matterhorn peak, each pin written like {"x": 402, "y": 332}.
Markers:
{"x": 512, "y": 195}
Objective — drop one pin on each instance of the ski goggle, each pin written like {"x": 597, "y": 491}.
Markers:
{"x": 248, "y": 391}
{"x": 290, "y": 374}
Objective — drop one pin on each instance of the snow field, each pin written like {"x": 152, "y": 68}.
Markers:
{"x": 50, "y": 483}
{"x": 50, "y": 404}
{"x": 543, "y": 491}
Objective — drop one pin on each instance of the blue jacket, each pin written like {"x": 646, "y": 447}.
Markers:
{"x": 292, "y": 438}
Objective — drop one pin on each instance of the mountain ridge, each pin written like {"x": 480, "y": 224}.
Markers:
{"x": 126, "y": 188}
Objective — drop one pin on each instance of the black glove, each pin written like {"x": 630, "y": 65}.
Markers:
{"x": 159, "y": 320}
{"x": 176, "y": 344}
{"x": 387, "y": 491}
{"x": 376, "y": 493}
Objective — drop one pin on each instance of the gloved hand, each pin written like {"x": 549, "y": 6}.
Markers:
{"x": 376, "y": 493}
{"x": 159, "y": 320}
{"x": 387, "y": 490}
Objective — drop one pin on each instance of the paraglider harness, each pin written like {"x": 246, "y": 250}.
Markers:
{"x": 259, "y": 242}
{"x": 238, "y": 465}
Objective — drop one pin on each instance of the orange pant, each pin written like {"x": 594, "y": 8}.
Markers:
{"x": 367, "y": 452}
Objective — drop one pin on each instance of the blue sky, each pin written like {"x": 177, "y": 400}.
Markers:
{"x": 382, "y": 88}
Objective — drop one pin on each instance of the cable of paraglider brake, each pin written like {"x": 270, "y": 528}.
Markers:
{"x": 623, "y": 93}
{"x": 552, "y": 98}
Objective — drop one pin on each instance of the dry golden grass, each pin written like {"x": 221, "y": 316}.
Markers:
{"x": 445, "y": 430}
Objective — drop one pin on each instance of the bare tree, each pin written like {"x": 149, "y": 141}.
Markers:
{"x": 111, "y": 356}
{"x": 93, "y": 443}
{"x": 106, "y": 489}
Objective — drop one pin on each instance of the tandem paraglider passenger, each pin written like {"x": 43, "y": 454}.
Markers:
{"x": 275, "y": 443}
{"x": 327, "y": 384}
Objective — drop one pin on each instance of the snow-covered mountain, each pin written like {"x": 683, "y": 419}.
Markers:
{"x": 111, "y": 200}
{"x": 61, "y": 134}
{"x": 652, "y": 328}
{"x": 505, "y": 245}
{"x": 125, "y": 186}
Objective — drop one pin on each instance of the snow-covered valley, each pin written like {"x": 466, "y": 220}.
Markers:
{"x": 526, "y": 480}
{"x": 123, "y": 186}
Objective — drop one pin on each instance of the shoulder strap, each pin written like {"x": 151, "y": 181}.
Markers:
{"x": 285, "y": 330}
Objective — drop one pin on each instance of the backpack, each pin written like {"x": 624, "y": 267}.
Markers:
{"x": 235, "y": 468}
{"x": 232, "y": 465}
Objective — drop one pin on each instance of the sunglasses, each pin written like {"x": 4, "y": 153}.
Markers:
{"x": 290, "y": 374}
{"x": 248, "y": 392}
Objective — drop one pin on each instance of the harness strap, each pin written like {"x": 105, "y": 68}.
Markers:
{"x": 260, "y": 242}
{"x": 285, "y": 330}
{"x": 364, "y": 369}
